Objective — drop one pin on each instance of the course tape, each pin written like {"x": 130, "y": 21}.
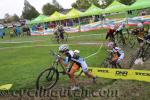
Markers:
{"x": 95, "y": 52}
{"x": 129, "y": 74}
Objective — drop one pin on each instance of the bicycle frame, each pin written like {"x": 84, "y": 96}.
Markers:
{"x": 57, "y": 62}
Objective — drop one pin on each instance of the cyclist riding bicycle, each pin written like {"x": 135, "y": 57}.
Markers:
{"x": 141, "y": 33}
{"x": 140, "y": 59}
{"x": 118, "y": 54}
{"x": 77, "y": 63}
{"x": 110, "y": 34}
{"x": 61, "y": 31}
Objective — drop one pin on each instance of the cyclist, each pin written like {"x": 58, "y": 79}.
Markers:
{"x": 140, "y": 33}
{"x": 56, "y": 34}
{"x": 73, "y": 56}
{"x": 119, "y": 31}
{"x": 145, "y": 40}
{"x": 61, "y": 32}
{"x": 110, "y": 34}
{"x": 118, "y": 54}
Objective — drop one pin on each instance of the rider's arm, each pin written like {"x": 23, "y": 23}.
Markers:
{"x": 67, "y": 59}
{"x": 107, "y": 35}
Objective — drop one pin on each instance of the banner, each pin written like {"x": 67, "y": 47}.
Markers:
{"x": 125, "y": 74}
{"x": 98, "y": 25}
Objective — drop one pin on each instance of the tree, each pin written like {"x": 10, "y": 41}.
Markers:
{"x": 85, "y": 4}
{"x": 29, "y": 12}
{"x": 81, "y": 4}
{"x": 15, "y": 18}
{"x": 48, "y": 9}
{"x": 57, "y": 5}
{"x": 7, "y": 18}
{"x": 127, "y": 2}
{"x": 104, "y": 3}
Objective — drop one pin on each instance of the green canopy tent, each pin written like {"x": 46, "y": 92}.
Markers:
{"x": 55, "y": 17}
{"x": 73, "y": 13}
{"x": 116, "y": 7}
{"x": 93, "y": 10}
{"x": 39, "y": 19}
{"x": 140, "y": 4}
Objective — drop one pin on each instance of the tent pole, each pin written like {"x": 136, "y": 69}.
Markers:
{"x": 79, "y": 21}
{"x": 43, "y": 27}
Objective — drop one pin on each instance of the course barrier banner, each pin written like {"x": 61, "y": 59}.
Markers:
{"x": 5, "y": 87}
{"x": 140, "y": 75}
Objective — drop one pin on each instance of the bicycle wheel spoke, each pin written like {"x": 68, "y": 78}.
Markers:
{"x": 47, "y": 79}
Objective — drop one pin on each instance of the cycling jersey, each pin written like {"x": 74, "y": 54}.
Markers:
{"x": 110, "y": 34}
{"x": 79, "y": 61}
{"x": 121, "y": 27}
{"x": 141, "y": 33}
{"x": 119, "y": 52}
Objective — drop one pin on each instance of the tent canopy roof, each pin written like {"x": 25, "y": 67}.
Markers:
{"x": 116, "y": 7}
{"x": 140, "y": 4}
{"x": 74, "y": 13}
{"x": 39, "y": 19}
{"x": 93, "y": 10}
{"x": 55, "y": 16}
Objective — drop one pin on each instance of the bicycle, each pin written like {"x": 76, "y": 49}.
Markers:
{"x": 143, "y": 52}
{"x": 123, "y": 40}
{"x": 51, "y": 75}
{"x": 108, "y": 63}
{"x": 57, "y": 38}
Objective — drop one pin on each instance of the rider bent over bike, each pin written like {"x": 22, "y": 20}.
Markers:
{"x": 118, "y": 54}
{"x": 77, "y": 62}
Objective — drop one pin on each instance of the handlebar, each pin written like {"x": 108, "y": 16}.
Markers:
{"x": 145, "y": 41}
{"x": 54, "y": 54}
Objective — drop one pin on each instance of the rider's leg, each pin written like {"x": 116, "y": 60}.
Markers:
{"x": 86, "y": 72}
{"x": 62, "y": 37}
{"x": 122, "y": 37}
{"x": 74, "y": 69}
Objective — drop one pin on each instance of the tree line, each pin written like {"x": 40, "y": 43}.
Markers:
{"x": 29, "y": 12}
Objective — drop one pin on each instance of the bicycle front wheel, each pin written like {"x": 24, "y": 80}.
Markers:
{"x": 47, "y": 79}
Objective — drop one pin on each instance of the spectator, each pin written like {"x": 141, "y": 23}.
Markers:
{"x": 2, "y": 33}
{"x": 18, "y": 31}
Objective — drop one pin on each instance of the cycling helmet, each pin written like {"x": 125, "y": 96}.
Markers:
{"x": 76, "y": 51}
{"x": 140, "y": 25}
{"x": 111, "y": 44}
{"x": 63, "y": 47}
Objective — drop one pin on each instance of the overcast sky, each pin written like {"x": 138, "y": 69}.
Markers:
{"x": 16, "y": 6}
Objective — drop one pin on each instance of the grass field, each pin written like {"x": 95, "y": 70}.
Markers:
{"x": 22, "y": 59}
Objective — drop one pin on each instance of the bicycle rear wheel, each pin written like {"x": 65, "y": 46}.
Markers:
{"x": 132, "y": 42}
{"x": 106, "y": 64}
{"x": 134, "y": 57}
{"x": 146, "y": 54}
{"x": 47, "y": 79}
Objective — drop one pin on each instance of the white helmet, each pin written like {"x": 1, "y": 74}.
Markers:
{"x": 140, "y": 25}
{"x": 111, "y": 44}
{"x": 63, "y": 47}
